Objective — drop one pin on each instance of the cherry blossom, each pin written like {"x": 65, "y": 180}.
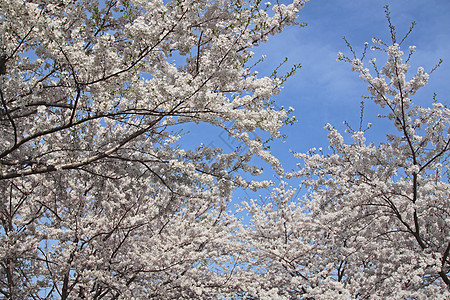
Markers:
{"x": 99, "y": 199}
{"x": 373, "y": 219}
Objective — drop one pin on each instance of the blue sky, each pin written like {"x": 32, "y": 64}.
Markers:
{"x": 325, "y": 91}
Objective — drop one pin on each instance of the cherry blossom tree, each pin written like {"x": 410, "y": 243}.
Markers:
{"x": 374, "y": 221}
{"x": 99, "y": 199}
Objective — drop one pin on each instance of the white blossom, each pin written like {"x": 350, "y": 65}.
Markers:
{"x": 100, "y": 197}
